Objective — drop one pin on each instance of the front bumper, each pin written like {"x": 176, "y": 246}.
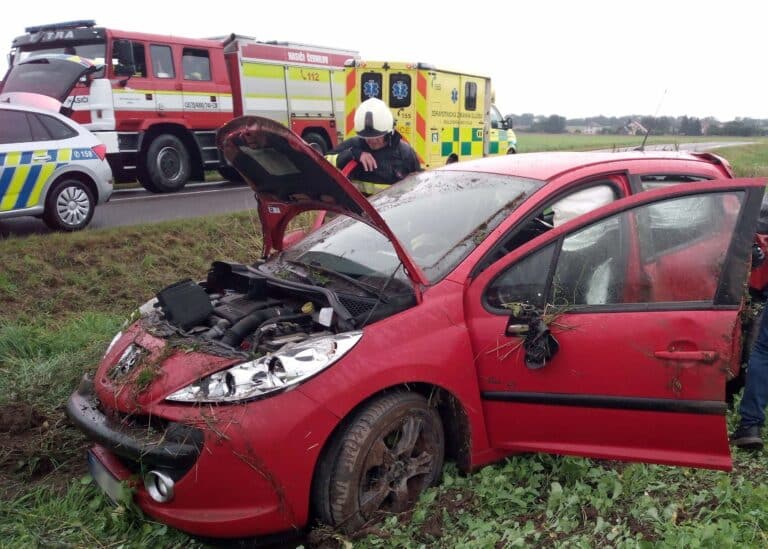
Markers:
{"x": 165, "y": 444}
{"x": 247, "y": 473}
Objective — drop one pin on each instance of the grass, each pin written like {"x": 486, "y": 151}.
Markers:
{"x": 65, "y": 296}
{"x": 532, "y": 142}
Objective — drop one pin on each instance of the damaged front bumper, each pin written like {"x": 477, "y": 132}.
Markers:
{"x": 236, "y": 470}
{"x": 167, "y": 445}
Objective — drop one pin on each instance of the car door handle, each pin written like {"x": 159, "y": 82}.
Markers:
{"x": 707, "y": 357}
{"x": 43, "y": 158}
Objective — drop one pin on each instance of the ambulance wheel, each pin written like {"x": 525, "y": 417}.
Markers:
{"x": 317, "y": 142}
{"x": 511, "y": 151}
{"x": 167, "y": 165}
{"x": 69, "y": 206}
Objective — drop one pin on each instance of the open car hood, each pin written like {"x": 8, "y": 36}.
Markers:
{"x": 290, "y": 177}
{"x": 53, "y": 75}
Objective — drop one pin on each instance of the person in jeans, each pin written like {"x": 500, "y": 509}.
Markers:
{"x": 755, "y": 398}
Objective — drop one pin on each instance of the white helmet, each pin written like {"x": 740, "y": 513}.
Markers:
{"x": 373, "y": 118}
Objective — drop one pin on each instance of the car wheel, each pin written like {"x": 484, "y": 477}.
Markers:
{"x": 389, "y": 452}
{"x": 69, "y": 206}
{"x": 167, "y": 165}
{"x": 317, "y": 142}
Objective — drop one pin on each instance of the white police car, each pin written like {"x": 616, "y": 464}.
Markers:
{"x": 50, "y": 166}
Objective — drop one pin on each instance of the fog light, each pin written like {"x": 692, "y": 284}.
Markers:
{"x": 159, "y": 486}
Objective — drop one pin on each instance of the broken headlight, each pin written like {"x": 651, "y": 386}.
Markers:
{"x": 291, "y": 365}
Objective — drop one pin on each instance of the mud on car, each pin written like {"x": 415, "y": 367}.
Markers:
{"x": 573, "y": 303}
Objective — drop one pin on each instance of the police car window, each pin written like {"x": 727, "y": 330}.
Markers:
{"x": 39, "y": 132}
{"x": 162, "y": 61}
{"x": 196, "y": 64}
{"x": 56, "y": 128}
{"x": 399, "y": 90}
{"x": 470, "y": 96}
{"x": 15, "y": 127}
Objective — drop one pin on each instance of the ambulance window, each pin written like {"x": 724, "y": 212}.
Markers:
{"x": 15, "y": 127}
{"x": 162, "y": 61}
{"x": 399, "y": 90}
{"x": 196, "y": 64}
{"x": 370, "y": 85}
{"x": 470, "y": 96}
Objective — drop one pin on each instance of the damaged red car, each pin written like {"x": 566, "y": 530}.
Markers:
{"x": 584, "y": 304}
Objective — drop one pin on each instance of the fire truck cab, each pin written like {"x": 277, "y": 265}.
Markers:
{"x": 159, "y": 100}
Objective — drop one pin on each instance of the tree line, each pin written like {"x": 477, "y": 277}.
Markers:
{"x": 657, "y": 125}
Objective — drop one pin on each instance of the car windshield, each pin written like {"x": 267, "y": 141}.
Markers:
{"x": 438, "y": 216}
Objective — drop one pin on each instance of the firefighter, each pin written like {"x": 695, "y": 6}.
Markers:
{"x": 382, "y": 155}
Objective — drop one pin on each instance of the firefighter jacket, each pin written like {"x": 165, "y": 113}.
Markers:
{"x": 393, "y": 162}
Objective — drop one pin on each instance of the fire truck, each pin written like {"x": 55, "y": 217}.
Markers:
{"x": 156, "y": 101}
{"x": 446, "y": 116}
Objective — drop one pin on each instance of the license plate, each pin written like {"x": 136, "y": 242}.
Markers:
{"x": 106, "y": 481}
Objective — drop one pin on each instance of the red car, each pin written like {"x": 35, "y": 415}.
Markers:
{"x": 572, "y": 303}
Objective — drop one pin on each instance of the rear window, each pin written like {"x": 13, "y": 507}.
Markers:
{"x": 56, "y": 128}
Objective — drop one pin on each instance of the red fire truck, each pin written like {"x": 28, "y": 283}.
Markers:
{"x": 158, "y": 100}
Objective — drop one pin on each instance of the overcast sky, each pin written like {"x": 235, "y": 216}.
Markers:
{"x": 572, "y": 58}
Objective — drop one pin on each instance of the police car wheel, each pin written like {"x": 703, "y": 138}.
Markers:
{"x": 168, "y": 165}
{"x": 69, "y": 206}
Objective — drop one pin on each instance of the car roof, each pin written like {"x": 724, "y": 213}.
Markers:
{"x": 30, "y": 108}
{"x": 545, "y": 166}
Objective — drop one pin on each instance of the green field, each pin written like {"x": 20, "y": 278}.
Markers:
{"x": 65, "y": 295}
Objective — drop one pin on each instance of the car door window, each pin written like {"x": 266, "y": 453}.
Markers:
{"x": 557, "y": 212}
{"x": 15, "y": 127}
{"x": 162, "y": 61}
{"x": 39, "y": 131}
{"x": 196, "y": 64}
{"x": 623, "y": 259}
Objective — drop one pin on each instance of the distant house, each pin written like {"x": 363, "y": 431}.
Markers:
{"x": 634, "y": 128}
{"x": 590, "y": 128}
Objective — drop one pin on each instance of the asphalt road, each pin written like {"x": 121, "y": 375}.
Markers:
{"x": 132, "y": 207}
{"x": 135, "y": 206}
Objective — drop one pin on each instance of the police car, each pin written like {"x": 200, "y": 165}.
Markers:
{"x": 50, "y": 166}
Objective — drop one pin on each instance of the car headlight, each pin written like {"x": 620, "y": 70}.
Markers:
{"x": 291, "y": 365}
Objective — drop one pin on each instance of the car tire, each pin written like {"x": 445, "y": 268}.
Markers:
{"x": 389, "y": 452}
{"x": 316, "y": 141}
{"x": 69, "y": 205}
{"x": 167, "y": 166}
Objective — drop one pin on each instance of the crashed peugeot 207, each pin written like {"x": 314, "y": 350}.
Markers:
{"x": 467, "y": 313}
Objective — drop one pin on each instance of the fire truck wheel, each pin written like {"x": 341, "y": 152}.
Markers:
{"x": 317, "y": 142}
{"x": 168, "y": 165}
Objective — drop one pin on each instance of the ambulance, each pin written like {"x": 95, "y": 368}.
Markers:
{"x": 446, "y": 116}
{"x": 158, "y": 100}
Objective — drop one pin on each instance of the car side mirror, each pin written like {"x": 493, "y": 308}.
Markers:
{"x": 539, "y": 344}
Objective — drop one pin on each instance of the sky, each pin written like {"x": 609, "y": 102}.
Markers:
{"x": 571, "y": 58}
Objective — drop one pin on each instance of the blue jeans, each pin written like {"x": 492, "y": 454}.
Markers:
{"x": 755, "y": 398}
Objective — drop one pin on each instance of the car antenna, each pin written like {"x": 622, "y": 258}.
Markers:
{"x": 648, "y": 130}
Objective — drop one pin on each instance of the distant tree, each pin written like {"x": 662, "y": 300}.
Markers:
{"x": 552, "y": 124}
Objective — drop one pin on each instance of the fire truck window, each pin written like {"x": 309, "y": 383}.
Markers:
{"x": 162, "y": 61}
{"x": 470, "y": 96}
{"x": 139, "y": 60}
{"x": 370, "y": 85}
{"x": 399, "y": 90}
{"x": 15, "y": 127}
{"x": 197, "y": 65}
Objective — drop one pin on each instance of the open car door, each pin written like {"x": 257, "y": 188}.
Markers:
{"x": 613, "y": 335}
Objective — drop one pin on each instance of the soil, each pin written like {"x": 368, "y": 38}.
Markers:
{"x": 37, "y": 448}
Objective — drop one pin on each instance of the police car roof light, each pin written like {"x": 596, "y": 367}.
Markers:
{"x": 64, "y": 25}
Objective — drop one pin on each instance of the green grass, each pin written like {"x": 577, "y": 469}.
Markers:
{"x": 65, "y": 296}
{"x": 533, "y": 142}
